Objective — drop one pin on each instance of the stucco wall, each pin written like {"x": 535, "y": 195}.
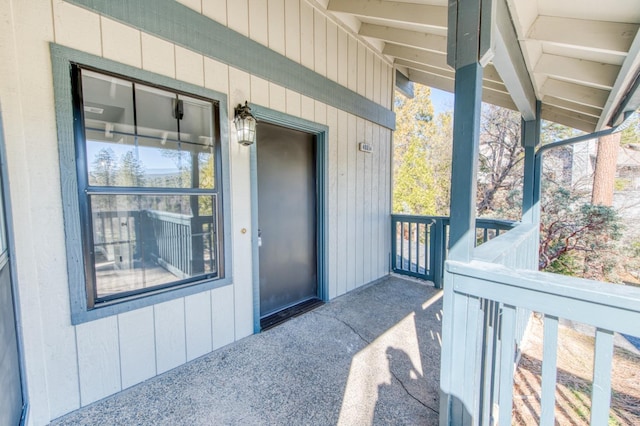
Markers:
{"x": 71, "y": 366}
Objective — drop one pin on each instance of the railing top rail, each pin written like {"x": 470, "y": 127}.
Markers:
{"x": 609, "y": 306}
{"x": 495, "y": 223}
{"x": 168, "y": 216}
{"x": 116, "y": 213}
{"x": 481, "y": 222}
{"x": 415, "y": 217}
{"x": 493, "y": 249}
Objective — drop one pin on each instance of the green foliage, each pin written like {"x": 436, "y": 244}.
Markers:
{"x": 631, "y": 135}
{"x": 622, "y": 184}
{"x": 422, "y": 156}
{"x": 414, "y": 184}
{"x": 566, "y": 264}
{"x": 575, "y": 237}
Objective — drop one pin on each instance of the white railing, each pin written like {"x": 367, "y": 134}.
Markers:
{"x": 483, "y": 325}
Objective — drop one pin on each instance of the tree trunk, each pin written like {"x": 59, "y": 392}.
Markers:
{"x": 605, "y": 174}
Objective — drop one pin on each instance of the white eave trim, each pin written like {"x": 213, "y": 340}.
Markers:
{"x": 629, "y": 70}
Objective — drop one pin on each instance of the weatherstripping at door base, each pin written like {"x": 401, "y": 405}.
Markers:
{"x": 279, "y": 317}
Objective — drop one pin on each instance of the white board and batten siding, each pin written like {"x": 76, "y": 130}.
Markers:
{"x": 71, "y": 366}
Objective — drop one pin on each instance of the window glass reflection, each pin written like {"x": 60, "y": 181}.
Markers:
{"x": 142, "y": 148}
{"x": 107, "y": 105}
{"x": 155, "y": 113}
{"x": 146, "y": 241}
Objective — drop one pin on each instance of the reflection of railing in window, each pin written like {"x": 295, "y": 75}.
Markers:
{"x": 173, "y": 249}
{"x": 179, "y": 243}
{"x": 115, "y": 239}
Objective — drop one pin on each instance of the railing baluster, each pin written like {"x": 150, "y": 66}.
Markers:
{"x": 402, "y": 245}
{"x": 394, "y": 243}
{"x": 410, "y": 244}
{"x": 457, "y": 355}
{"x": 549, "y": 370}
{"x": 508, "y": 322}
{"x": 601, "y": 392}
{"x": 488, "y": 363}
{"x": 428, "y": 229}
{"x": 418, "y": 248}
{"x": 472, "y": 358}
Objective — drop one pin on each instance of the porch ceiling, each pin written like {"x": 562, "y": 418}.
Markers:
{"x": 581, "y": 58}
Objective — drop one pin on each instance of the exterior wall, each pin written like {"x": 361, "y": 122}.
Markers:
{"x": 71, "y": 366}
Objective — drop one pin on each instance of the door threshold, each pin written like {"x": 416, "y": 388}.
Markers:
{"x": 279, "y": 317}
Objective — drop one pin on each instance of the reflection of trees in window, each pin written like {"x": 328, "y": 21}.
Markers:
{"x": 130, "y": 171}
{"x": 105, "y": 167}
{"x": 152, "y": 225}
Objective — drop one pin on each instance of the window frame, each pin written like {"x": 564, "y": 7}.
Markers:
{"x": 73, "y": 163}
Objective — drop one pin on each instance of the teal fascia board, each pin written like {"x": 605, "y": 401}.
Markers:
{"x": 404, "y": 85}
{"x": 183, "y": 26}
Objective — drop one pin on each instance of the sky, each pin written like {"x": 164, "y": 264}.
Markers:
{"x": 442, "y": 101}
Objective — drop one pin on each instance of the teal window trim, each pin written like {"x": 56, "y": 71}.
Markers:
{"x": 62, "y": 59}
{"x": 321, "y": 133}
{"x": 181, "y": 25}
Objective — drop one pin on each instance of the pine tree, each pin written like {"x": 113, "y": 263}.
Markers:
{"x": 422, "y": 156}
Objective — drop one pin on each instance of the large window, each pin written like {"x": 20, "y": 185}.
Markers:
{"x": 148, "y": 169}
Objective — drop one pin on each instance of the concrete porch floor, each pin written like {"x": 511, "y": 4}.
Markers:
{"x": 369, "y": 357}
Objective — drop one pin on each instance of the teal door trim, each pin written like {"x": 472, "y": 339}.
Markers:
{"x": 321, "y": 133}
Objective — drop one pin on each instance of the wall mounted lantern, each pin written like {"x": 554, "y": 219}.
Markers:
{"x": 245, "y": 124}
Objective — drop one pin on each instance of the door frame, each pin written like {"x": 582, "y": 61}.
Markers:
{"x": 5, "y": 204}
{"x": 321, "y": 134}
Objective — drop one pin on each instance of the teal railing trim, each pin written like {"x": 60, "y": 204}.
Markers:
{"x": 434, "y": 248}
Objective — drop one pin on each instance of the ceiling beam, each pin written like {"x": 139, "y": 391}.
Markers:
{"x": 614, "y": 37}
{"x": 489, "y": 95}
{"x": 584, "y": 95}
{"x": 425, "y": 67}
{"x": 572, "y": 106}
{"x": 416, "y": 55}
{"x": 499, "y": 99}
{"x": 432, "y": 80}
{"x": 568, "y": 118}
{"x": 589, "y": 73}
{"x": 432, "y": 42}
{"x": 498, "y": 86}
{"x": 510, "y": 64}
{"x": 421, "y": 14}
{"x": 490, "y": 73}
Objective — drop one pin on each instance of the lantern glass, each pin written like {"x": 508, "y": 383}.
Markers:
{"x": 246, "y": 128}
{"x": 245, "y": 125}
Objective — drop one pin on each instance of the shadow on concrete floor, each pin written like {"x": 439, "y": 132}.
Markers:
{"x": 369, "y": 357}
